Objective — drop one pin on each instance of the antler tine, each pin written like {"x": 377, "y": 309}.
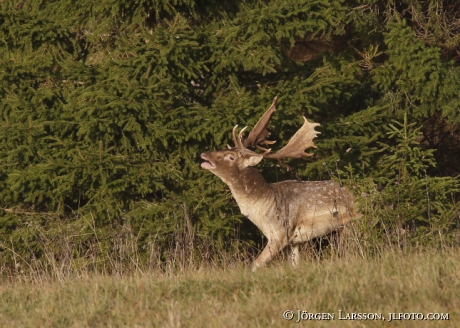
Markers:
{"x": 302, "y": 140}
{"x": 240, "y": 137}
{"x": 239, "y": 143}
{"x": 235, "y": 142}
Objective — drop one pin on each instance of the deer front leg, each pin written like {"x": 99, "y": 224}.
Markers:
{"x": 295, "y": 255}
{"x": 271, "y": 249}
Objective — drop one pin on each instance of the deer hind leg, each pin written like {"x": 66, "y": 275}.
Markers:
{"x": 271, "y": 249}
{"x": 295, "y": 255}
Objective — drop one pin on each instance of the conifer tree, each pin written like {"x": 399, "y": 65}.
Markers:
{"x": 106, "y": 106}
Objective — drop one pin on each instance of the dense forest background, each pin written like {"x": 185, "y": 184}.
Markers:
{"x": 106, "y": 106}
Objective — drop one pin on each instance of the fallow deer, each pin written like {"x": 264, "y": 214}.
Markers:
{"x": 287, "y": 212}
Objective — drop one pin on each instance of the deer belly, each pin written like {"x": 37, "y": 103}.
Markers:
{"x": 317, "y": 224}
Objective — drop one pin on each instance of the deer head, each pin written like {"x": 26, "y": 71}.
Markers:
{"x": 228, "y": 164}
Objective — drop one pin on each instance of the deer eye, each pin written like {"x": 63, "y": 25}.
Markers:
{"x": 230, "y": 158}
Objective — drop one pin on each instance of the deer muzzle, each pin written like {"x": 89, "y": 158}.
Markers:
{"x": 207, "y": 164}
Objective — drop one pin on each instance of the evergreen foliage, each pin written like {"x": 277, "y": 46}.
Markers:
{"x": 106, "y": 106}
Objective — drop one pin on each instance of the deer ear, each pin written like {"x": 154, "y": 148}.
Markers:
{"x": 252, "y": 160}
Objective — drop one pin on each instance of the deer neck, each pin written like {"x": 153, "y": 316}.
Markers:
{"x": 253, "y": 195}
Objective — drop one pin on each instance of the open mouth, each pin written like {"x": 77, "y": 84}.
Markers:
{"x": 207, "y": 164}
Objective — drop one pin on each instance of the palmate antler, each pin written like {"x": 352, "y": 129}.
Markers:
{"x": 295, "y": 148}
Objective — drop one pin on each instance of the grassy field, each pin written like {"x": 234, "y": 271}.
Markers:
{"x": 422, "y": 283}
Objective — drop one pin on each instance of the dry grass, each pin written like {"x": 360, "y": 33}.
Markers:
{"x": 410, "y": 283}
